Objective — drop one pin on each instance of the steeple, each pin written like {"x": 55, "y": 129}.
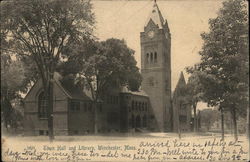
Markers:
{"x": 156, "y": 16}
{"x": 181, "y": 81}
{"x": 181, "y": 84}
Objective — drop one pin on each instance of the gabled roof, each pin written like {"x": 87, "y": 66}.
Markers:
{"x": 156, "y": 16}
{"x": 72, "y": 90}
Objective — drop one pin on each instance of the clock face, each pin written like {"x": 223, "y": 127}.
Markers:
{"x": 151, "y": 34}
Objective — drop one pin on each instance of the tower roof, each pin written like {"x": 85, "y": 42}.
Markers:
{"x": 180, "y": 85}
{"x": 181, "y": 81}
{"x": 156, "y": 16}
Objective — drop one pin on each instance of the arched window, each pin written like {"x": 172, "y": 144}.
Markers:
{"x": 151, "y": 57}
{"x": 155, "y": 58}
{"x": 42, "y": 106}
{"x": 133, "y": 121}
{"x": 147, "y": 58}
{"x": 144, "y": 121}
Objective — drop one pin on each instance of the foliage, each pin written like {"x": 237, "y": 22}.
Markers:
{"x": 12, "y": 81}
{"x": 208, "y": 117}
{"x": 40, "y": 30}
{"x": 195, "y": 93}
{"x": 224, "y": 60}
{"x": 101, "y": 65}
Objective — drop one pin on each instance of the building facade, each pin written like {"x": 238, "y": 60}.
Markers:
{"x": 73, "y": 111}
{"x": 182, "y": 114}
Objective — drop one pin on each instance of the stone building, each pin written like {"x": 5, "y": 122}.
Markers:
{"x": 181, "y": 107}
{"x": 73, "y": 112}
{"x": 156, "y": 66}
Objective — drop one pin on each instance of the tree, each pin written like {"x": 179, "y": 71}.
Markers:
{"x": 208, "y": 117}
{"x": 12, "y": 81}
{"x": 41, "y": 30}
{"x": 103, "y": 65}
{"x": 224, "y": 60}
{"x": 17, "y": 75}
{"x": 195, "y": 93}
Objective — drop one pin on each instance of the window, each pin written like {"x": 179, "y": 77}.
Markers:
{"x": 151, "y": 57}
{"x": 183, "y": 118}
{"x": 85, "y": 107}
{"x": 144, "y": 121}
{"x": 138, "y": 121}
{"x": 107, "y": 99}
{"x": 112, "y": 117}
{"x": 75, "y": 106}
{"x": 132, "y": 121}
{"x": 147, "y": 58}
{"x": 183, "y": 106}
{"x": 100, "y": 107}
{"x": 40, "y": 132}
{"x": 43, "y": 132}
{"x": 112, "y": 99}
{"x": 155, "y": 59}
{"x": 42, "y": 106}
{"x": 133, "y": 105}
{"x": 89, "y": 107}
{"x": 75, "y": 132}
{"x": 117, "y": 99}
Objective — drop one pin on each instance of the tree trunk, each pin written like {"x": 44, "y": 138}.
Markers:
{"x": 95, "y": 118}
{"x": 195, "y": 118}
{"x": 248, "y": 125}
{"x": 50, "y": 110}
{"x": 179, "y": 125}
{"x": 222, "y": 123}
{"x": 233, "y": 113}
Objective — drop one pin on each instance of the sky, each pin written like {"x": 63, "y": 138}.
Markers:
{"x": 187, "y": 19}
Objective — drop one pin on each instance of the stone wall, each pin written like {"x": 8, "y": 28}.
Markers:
{"x": 33, "y": 125}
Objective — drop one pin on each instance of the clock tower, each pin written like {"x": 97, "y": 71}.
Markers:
{"x": 156, "y": 67}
